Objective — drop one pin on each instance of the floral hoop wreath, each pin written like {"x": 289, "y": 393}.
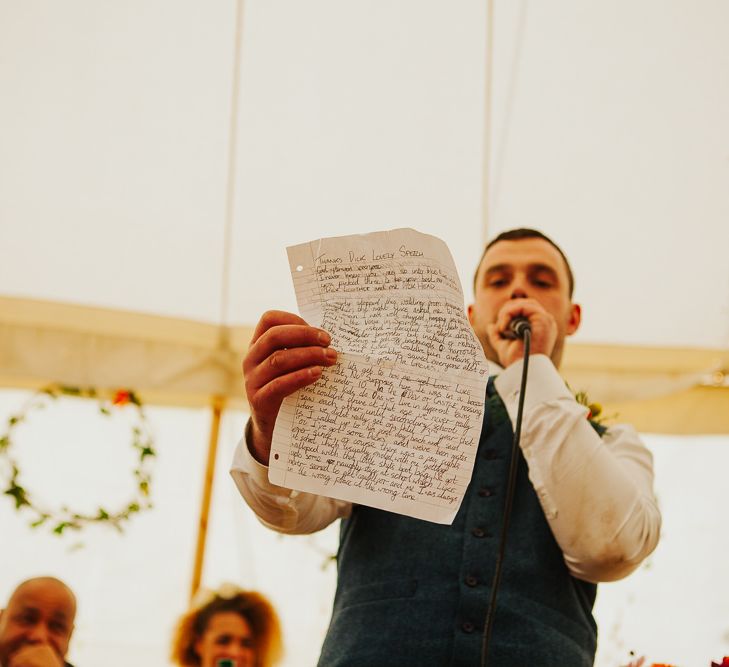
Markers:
{"x": 65, "y": 518}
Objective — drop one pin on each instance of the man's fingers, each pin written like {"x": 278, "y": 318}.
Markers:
{"x": 515, "y": 308}
{"x": 282, "y": 362}
{"x": 266, "y": 401}
{"x": 35, "y": 655}
{"x": 282, "y": 337}
{"x": 518, "y": 308}
{"x": 272, "y": 318}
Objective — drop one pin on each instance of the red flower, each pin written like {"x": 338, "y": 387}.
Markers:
{"x": 122, "y": 397}
{"x": 723, "y": 663}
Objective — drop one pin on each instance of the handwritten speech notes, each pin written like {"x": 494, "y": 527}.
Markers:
{"x": 395, "y": 423}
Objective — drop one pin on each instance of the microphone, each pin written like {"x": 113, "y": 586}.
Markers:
{"x": 518, "y": 327}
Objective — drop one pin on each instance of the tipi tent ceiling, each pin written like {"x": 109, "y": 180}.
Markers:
{"x": 608, "y": 132}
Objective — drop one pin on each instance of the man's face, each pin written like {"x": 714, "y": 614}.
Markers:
{"x": 523, "y": 269}
{"x": 40, "y": 612}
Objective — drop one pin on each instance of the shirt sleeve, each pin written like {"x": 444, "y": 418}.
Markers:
{"x": 278, "y": 508}
{"x": 596, "y": 492}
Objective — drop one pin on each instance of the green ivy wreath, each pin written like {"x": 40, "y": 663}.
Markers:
{"x": 65, "y": 518}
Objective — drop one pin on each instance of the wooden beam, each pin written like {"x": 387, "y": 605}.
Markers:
{"x": 202, "y": 529}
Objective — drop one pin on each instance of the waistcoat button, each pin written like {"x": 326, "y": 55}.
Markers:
{"x": 467, "y": 627}
{"x": 471, "y": 581}
{"x": 485, "y": 492}
{"x": 478, "y": 532}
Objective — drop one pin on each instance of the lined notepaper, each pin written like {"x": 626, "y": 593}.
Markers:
{"x": 395, "y": 423}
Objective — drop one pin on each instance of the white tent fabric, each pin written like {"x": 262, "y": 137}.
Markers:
{"x": 609, "y": 133}
{"x": 156, "y": 157}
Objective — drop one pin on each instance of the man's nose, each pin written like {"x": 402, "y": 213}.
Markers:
{"x": 518, "y": 292}
{"x": 519, "y": 286}
{"x": 38, "y": 634}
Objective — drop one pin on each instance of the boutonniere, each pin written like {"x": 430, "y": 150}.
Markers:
{"x": 594, "y": 415}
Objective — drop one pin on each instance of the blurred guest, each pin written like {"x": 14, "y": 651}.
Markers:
{"x": 37, "y": 623}
{"x": 229, "y": 627}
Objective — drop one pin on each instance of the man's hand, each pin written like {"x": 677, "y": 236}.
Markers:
{"x": 285, "y": 354}
{"x": 35, "y": 655}
{"x": 544, "y": 330}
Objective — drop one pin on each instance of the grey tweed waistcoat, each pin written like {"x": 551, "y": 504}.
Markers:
{"x": 414, "y": 594}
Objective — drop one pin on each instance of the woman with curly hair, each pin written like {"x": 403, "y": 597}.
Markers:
{"x": 230, "y": 628}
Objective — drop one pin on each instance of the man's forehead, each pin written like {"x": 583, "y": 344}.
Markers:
{"x": 524, "y": 252}
{"x": 48, "y": 596}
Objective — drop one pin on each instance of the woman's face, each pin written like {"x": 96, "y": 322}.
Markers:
{"x": 228, "y": 636}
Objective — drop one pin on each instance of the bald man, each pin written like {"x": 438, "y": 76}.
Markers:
{"x": 36, "y": 625}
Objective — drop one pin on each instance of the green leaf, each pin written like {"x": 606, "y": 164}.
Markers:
{"x": 19, "y": 494}
{"x": 145, "y": 452}
{"x": 58, "y": 530}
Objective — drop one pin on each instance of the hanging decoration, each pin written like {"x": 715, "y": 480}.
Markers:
{"x": 64, "y": 518}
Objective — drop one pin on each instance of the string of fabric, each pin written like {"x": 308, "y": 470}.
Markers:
{"x": 232, "y": 167}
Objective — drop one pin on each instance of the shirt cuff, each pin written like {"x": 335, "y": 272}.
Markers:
{"x": 244, "y": 461}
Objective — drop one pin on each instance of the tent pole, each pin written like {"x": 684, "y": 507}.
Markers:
{"x": 202, "y": 530}
{"x": 488, "y": 105}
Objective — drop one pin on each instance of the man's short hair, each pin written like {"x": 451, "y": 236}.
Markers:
{"x": 526, "y": 233}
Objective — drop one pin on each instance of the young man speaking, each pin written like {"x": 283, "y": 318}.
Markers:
{"x": 414, "y": 593}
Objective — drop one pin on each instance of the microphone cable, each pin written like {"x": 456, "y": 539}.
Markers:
{"x": 525, "y": 332}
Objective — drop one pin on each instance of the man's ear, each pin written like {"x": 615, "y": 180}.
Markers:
{"x": 573, "y": 323}
{"x": 469, "y": 310}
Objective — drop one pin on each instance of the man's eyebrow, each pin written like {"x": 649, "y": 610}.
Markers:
{"x": 498, "y": 268}
{"x": 537, "y": 267}
{"x": 27, "y": 609}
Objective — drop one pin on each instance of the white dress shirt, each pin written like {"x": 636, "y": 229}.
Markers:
{"x": 596, "y": 492}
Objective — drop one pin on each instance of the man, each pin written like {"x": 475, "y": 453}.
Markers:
{"x": 36, "y": 625}
{"x": 416, "y": 593}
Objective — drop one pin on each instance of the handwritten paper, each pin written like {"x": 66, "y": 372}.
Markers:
{"x": 395, "y": 424}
